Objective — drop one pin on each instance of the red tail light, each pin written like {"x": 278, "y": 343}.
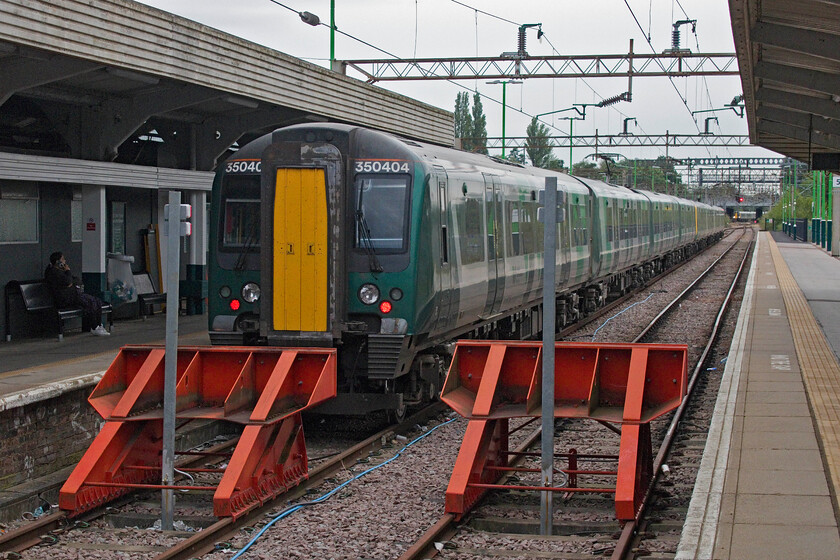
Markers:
{"x": 385, "y": 307}
{"x": 234, "y": 304}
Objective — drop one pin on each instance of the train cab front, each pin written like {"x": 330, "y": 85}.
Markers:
{"x": 335, "y": 208}
{"x": 234, "y": 243}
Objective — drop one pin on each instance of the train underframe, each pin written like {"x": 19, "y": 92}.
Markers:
{"x": 393, "y": 373}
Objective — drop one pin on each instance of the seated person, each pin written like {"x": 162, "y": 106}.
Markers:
{"x": 66, "y": 294}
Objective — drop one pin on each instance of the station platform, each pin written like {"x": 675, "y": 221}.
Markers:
{"x": 34, "y": 364}
{"x": 768, "y": 481}
{"x": 45, "y": 421}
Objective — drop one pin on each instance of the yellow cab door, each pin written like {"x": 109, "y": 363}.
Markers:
{"x": 300, "y": 250}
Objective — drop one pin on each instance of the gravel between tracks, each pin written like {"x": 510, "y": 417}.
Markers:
{"x": 382, "y": 514}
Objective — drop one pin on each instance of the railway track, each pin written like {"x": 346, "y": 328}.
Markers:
{"x": 57, "y": 530}
{"x": 631, "y": 540}
{"x": 221, "y": 530}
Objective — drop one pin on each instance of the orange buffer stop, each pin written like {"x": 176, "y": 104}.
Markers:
{"x": 264, "y": 388}
{"x": 490, "y": 382}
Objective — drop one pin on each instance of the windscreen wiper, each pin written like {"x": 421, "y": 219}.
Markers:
{"x": 250, "y": 242}
{"x": 367, "y": 243}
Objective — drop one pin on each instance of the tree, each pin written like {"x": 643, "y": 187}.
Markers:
{"x": 517, "y": 156}
{"x": 538, "y": 146}
{"x": 586, "y": 169}
{"x": 479, "y": 126}
{"x": 463, "y": 119}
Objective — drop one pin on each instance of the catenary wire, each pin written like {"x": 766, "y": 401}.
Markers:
{"x": 348, "y": 35}
{"x": 661, "y": 66}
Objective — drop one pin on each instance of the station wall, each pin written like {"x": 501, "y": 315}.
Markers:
{"x": 27, "y": 260}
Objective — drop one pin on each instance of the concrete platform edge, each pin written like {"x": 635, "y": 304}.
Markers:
{"x": 698, "y": 536}
{"x": 44, "y": 392}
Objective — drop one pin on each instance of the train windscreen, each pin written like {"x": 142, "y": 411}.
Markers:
{"x": 240, "y": 227}
{"x": 382, "y": 204}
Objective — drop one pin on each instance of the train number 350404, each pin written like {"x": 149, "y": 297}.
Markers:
{"x": 377, "y": 166}
{"x": 243, "y": 166}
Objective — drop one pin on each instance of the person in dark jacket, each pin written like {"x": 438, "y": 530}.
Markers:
{"x": 66, "y": 294}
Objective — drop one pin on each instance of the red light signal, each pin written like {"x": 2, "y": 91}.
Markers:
{"x": 740, "y": 199}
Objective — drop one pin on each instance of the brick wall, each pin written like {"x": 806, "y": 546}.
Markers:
{"x": 42, "y": 437}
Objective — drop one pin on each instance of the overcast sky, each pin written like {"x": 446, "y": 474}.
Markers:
{"x": 448, "y": 28}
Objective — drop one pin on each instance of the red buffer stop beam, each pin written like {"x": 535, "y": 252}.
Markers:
{"x": 628, "y": 384}
{"x": 265, "y": 389}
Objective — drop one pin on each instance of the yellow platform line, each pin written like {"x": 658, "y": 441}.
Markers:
{"x": 820, "y": 370}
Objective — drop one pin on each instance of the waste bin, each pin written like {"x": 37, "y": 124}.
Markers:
{"x": 120, "y": 288}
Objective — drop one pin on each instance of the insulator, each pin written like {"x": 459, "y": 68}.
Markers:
{"x": 675, "y": 39}
{"x": 522, "y": 41}
{"x": 612, "y": 100}
{"x": 309, "y": 18}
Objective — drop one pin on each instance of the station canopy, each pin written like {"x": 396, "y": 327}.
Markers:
{"x": 789, "y": 58}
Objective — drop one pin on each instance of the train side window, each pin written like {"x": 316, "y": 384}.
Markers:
{"x": 470, "y": 231}
{"x": 514, "y": 238}
{"x": 526, "y": 226}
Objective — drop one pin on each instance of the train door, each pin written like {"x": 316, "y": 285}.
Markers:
{"x": 596, "y": 233}
{"x": 300, "y": 253}
{"x": 495, "y": 245}
{"x": 444, "y": 285}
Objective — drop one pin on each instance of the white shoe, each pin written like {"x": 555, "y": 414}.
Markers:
{"x": 100, "y": 331}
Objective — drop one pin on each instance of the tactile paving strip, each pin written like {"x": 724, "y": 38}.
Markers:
{"x": 820, "y": 370}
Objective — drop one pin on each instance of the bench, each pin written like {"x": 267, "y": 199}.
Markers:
{"x": 146, "y": 294}
{"x": 38, "y": 300}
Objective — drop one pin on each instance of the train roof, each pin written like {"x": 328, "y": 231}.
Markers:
{"x": 433, "y": 153}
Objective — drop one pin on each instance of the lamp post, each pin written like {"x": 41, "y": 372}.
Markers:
{"x": 652, "y": 176}
{"x": 332, "y": 34}
{"x": 504, "y": 106}
{"x": 580, "y": 109}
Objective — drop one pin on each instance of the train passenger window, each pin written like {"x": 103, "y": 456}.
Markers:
{"x": 526, "y": 227}
{"x": 382, "y": 207}
{"x": 469, "y": 231}
{"x": 514, "y": 238}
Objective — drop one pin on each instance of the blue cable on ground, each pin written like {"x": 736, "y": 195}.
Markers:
{"x": 619, "y": 313}
{"x": 287, "y": 512}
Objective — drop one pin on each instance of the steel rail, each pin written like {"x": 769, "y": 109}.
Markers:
{"x": 629, "y": 529}
{"x": 444, "y": 528}
{"x": 617, "y": 302}
{"x": 30, "y": 535}
{"x": 682, "y": 295}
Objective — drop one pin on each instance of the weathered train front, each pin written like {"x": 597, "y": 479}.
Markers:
{"x": 336, "y": 266}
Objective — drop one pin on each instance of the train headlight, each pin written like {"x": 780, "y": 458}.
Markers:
{"x": 368, "y": 294}
{"x": 224, "y": 291}
{"x": 396, "y": 294}
{"x": 251, "y": 292}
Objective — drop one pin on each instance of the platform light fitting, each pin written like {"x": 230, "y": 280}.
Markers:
{"x": 133, "y": 76}
{"x": 241, "y": 101}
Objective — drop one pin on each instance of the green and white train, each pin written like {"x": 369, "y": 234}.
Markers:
{"x": 389, "y": 249}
